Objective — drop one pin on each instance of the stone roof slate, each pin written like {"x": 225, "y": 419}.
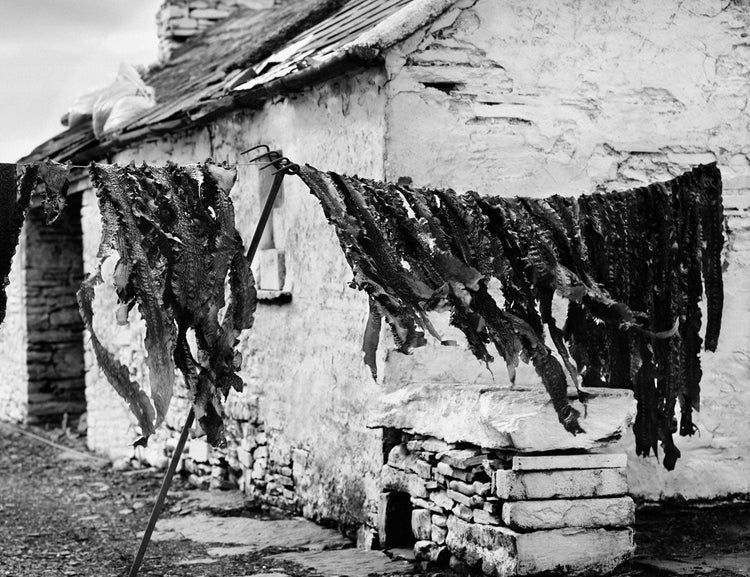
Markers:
{"x": 250, "y": 56}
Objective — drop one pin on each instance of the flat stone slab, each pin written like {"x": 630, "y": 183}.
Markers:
{"x": 576, "y": 551}
{"x": 255, "y": 534}
{"x": 217, "y": 502}
{"x": 506, "y": 553}
{"x": 554, "y": 462}
{"x": 520, "y": 418}
{"x": 560, "y": 513}
{"x": 351, "y": 562}
{"x": 575, "y": 484}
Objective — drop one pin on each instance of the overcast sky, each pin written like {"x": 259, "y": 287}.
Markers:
{"x": 53, "y": 50}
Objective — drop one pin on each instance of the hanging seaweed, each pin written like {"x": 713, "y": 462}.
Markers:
{"x": 173, "y": 231}
{"x": 631, "y": 264}
{"x": 17, "y": 186}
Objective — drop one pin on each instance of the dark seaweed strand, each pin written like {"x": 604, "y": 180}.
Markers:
{"x": 590, "y": 331}
{"x": 8, "y": 238}
{"x": 712, "y": 217}
{"x": 690, "y": 262}
{"x": 667, "y": 308}
{"x": 15, "y": 198}
{"x": 619, "y": 342}
{"x": 379, "y": 264}
{"x": 519, "y": 294}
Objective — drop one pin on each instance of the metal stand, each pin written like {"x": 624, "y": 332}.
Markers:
{"x": 283, "y": 167}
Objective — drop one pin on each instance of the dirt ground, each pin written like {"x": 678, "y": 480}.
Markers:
{"x": 64, "y": 514}
{"x": 61, "y": 514}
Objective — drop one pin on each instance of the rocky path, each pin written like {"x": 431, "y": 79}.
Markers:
{"x": 66, "y": 512}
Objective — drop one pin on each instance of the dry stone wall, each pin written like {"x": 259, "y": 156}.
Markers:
{"x": 54, "y": 270}
{"x": 507, "y": 514}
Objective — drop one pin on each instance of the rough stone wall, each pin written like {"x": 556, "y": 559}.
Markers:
{"x": 540, "y": 97}
{"x": 505, "y": 514}
{"x": 14, "y": 388}
{"x": 54, "y": 270}
{"x": 302, "y": 359}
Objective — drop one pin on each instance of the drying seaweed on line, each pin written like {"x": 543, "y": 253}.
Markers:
{"x": 632, "y": 265}
{"x": 173, "y": 231}
{"x": 18, "y": 184}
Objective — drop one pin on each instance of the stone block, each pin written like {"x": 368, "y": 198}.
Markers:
{"x": 462, "y": 458}
{"x": 460, "y": 474}
{"x": 245, "y": 458}
{"x": 183, "y": 24}
{"x": 564, "y": 462}
{"x": 259, "y": 469}
{"x": 421, "y": 524}
{"x": 520, "y": 485}
{"x": 421, "y": 468}
{"x": 484, "y": 517}
{"x": 171, "y": 11}
{"x": 429, "y": 505}
{"x": 459, "y": 497}
{"x": 398, "y": 457}
{"x": 561, "y": 513}
{"x": 498, "y": 417}
{"x": 397, "y": 480}
{"x": 200, "y": 450}
{"x": 440, "y": 520}
{"x": 465, "y": 488}
{"x": 574, "y": 551}
{"x": 435, "y": 445}
{"x": 441, "y": 499}
{"x": 438, "y": 534}
{"x": 209, "y": 13}
{"x": 463, "y": 512}
{"x": 478, "y": 544}
{"x": 430, "y": 552}
{"x": 506, "y": 553}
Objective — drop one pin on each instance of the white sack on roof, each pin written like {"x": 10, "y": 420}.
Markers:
{"x": 113, "y": 106}
{"x": 121, "y": 101}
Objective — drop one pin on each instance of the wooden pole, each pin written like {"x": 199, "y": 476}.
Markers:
{"x": 167, "y": 481}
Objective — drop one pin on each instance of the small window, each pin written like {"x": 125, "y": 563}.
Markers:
{"x": 271, "y": 262}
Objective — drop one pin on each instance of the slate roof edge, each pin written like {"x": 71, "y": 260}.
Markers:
{"x": 364, "y": 52}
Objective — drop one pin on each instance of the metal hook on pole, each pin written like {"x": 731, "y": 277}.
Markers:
{"x": 256, "y": 147}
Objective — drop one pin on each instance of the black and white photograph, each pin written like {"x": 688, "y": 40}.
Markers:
{"x": 375, "y": 288}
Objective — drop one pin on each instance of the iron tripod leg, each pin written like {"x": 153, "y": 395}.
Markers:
{"x": 283, "y": 166}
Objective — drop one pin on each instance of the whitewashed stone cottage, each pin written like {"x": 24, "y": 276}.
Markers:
{"x": 505, "y": 98}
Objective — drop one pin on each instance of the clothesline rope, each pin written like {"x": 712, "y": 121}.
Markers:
{"x": 87, "y": 165}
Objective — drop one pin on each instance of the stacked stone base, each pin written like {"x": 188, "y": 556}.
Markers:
{"x": 507, "y": 515}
